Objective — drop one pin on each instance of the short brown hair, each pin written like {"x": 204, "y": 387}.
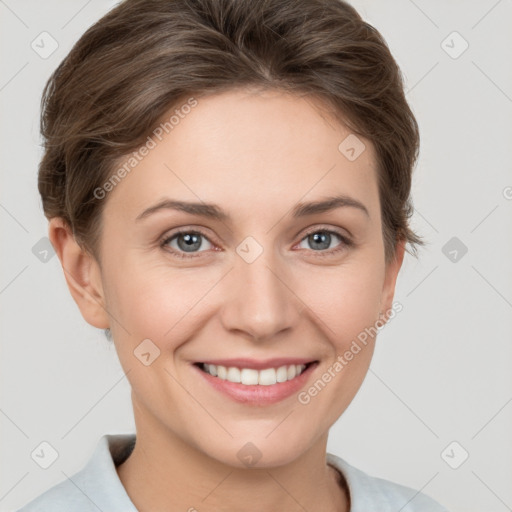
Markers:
{"x": 144, "y": 56}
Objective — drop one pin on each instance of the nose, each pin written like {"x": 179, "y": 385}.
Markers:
{"x": 261, "y": 302}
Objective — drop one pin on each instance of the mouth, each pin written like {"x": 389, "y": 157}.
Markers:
{"x": 263, "y": 384}
{"x": 249, "y": 376}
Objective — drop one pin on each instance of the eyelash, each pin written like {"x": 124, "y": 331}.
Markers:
{"x": 346, "y": 242}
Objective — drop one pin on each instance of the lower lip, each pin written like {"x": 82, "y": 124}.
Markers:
{"x": 258, "y": 394}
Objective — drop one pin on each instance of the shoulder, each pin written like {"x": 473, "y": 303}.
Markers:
{"x": 95, "y": 487}
{"x": 62, "y": 497}
{"x": 367, "y": 491}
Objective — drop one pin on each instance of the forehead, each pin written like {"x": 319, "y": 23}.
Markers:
{"x": 243, "y": 145}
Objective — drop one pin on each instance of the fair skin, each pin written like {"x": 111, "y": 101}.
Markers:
{"x": 256, "y": 156}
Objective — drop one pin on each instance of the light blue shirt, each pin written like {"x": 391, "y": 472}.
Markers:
{"x": 97, "y": 486}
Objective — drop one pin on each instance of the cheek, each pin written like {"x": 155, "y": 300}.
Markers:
{"x": 161, "y": 304}
{"x": 346, "y": 300}
{"x": 347, "y": 305}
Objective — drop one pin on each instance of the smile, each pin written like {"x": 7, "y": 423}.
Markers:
{"x": 251, "y": 376}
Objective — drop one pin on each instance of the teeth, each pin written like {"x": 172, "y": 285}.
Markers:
{"x": 251, "y": 377}
{"x": 233, "y": 374}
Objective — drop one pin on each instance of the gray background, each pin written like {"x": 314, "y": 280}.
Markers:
{"x": 442, "y": 368}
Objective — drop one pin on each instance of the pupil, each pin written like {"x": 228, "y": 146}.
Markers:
{"x": 191, "y": 241}
{"x": 318, "y": 237}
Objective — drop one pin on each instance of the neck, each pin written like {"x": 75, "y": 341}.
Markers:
{"x": 164, "y": 472}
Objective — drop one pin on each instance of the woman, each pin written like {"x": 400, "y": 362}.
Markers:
{"x": 227, "y": 184}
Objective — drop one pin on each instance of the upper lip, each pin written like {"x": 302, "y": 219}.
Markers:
{"x": 259, "y": 364}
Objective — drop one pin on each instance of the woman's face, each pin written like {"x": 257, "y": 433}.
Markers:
{"x": 267, "y": 280}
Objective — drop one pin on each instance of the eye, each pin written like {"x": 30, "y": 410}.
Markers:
{"x": 320, "y": 239}
{"x": 187, "y": 241}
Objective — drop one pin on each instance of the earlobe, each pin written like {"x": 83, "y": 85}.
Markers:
{"x": 82, "y": 274}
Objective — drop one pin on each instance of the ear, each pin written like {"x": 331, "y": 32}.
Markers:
{"x": 82, "y": 273}
{"x": 388, "y": 289}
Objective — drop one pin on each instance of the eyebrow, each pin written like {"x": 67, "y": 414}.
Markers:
{"x": 213, "y": 211}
